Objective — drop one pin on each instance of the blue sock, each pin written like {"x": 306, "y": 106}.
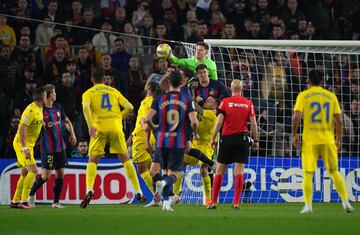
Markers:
{"x": 37, "y": 184}
{"x": 57, "y": 189}
{"x": 156, "y": 178}
{"x": 169, "y": 181}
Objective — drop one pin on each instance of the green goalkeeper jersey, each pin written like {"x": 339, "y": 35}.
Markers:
{"x": 192, "y": 63}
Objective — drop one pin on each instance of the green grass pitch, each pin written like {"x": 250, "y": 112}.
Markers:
{"x": 264, "y": 219}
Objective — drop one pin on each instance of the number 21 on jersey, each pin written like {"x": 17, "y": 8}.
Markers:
{"x": 317, "y": 110}
{"x": 105, "y": 102}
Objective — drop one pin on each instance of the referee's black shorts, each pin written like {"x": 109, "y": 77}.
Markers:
{"x": 234, "y": 148}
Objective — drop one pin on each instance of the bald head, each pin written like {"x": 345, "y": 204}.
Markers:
{"x": 236, "y": 86}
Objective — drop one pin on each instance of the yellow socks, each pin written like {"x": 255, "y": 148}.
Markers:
{"x": 207, "y": 187}
{"x": 177, "y": 185}
{"x": 28, "y": 182}
{"x": 131, "y": 173}
{"x": 339, "y": 184}
{"x": 19, "y": 189}
{"x": 148, "y": 180}
{"x": 90, "y": 175}
{"x": 308, "y": 187}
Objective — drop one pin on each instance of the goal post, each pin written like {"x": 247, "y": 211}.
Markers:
{"x": 273, "y": 73}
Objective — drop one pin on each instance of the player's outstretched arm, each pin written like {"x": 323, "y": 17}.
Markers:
{"x": 148, "y": 124}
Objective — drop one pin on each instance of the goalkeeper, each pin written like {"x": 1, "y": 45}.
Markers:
{"x": 200, "y": 57}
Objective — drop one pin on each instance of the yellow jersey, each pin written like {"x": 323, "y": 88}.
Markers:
{"x": 33, "y": 118}
{"x": 105, "y": 102}
{"x": 139, "y": 133}
{"x": 206, "y": 126}
{"x": 318, "y": 107}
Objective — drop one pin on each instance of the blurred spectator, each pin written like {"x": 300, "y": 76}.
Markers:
{"x": 229, "y": 31}
{"x": 174, "y": 30}
{"x": 84, "y": 65}
{"x": 139, "y": 15}
{"x": 238, "y": 16}
{"x": 119, "y": 20}
{"x": 354, "y": 116}
{"x": 88, "y": 25}
{"x": 311, "y": 33}
{"x": 36, "y": 8}
{"x": 120, "y": 58}
{"x": 189, "y": 26}
{"x": 261, "y": 9}
{"x": 44, "y": 32}
{"x": 66, "y": 96}
{"x": 255, "y": 32}
{"x": 292, "y": 14}
{"x": 115, "y": 75}
{"x": 107, "y": 7}
{"x": 77, "y": 12}
{"x": 9, "y": 151}
{"x": 133, "y": 83}
{"x": 301, "y": 29}
{"x": 5, "y": 107}
{"x": 56, "y": 67}
{"x": 147, "y": 30}
{"x": 278, "y": 32}
{"x": 28, "y": 75}
{"x": 217, "y": 24}
{"x": 159, "y": 66}
{"x": 132, "y": 42}
{"x": 58, "y": 41}
{"x": 52, "y": 11}
{"x": 7, "y": 33}
{"x": 25, "y": 55}
{"x": 81, "y": 150}
{"x": 104, "y": 41}
{"x": 94, "y": 54}
{"x": 202, "y": 33}
{"x": 8, "y": 71}
{"x": 161, "y": 32}
{"x": 165, "y": 5}
{"x": 24, "y": 98}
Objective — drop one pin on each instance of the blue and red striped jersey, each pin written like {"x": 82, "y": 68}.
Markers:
{"x": 173, "y": 110}
{"x": 215, "y": 89}
{"x": 52, "y": 140}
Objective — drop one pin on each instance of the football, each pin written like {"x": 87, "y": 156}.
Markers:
{"x": 163, "y": 50}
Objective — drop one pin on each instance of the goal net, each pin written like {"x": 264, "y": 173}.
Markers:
{"x": 273, "y": 74}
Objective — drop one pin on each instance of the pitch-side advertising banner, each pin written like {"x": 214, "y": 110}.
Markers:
{"x": 268, "y": 180}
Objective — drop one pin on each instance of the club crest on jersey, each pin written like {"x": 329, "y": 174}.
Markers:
{"x": 26, "y": 119}
{"x": 211, "y": 93}
{"x": 50, "y": 124}
{"x": 58, "y": 114}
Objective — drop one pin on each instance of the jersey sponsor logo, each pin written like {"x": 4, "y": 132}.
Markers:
{"x": 26, "y": 118}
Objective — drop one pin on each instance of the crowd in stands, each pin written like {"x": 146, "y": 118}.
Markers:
{"x": 39, "y": 51}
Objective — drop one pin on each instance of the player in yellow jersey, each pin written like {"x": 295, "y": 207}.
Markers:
{"x": 202, "y": 142}
{"x": 28, "y": 132}
{"x": 318, "y": 108}
{"x": 101, "y": 107}
{"x": 142, "y": 144}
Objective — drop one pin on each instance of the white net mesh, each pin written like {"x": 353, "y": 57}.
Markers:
{"x": 272, "y": 77}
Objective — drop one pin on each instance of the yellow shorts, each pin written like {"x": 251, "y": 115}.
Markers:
{"x": 116, "y": 139}
{"x": 139, "y": 153}
{"x": 204, "y": 147}
{"x": 22, "y": 162}
{"x": 311, "y": 153}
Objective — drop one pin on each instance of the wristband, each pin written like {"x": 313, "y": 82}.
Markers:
{"x": 24, "y": 149}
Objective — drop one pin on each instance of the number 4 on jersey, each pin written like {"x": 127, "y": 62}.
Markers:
{"x": 105, "y": 102}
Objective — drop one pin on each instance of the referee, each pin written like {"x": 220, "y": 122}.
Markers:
{"x": 234, "y": 112}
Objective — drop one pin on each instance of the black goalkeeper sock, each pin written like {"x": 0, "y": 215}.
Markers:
{"x": 37, "y": 184}
{"x": 57, "y": 189}
{"x": 196, "y": 153}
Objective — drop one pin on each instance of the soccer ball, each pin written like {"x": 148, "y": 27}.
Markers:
{"x": 163, "y": 50}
